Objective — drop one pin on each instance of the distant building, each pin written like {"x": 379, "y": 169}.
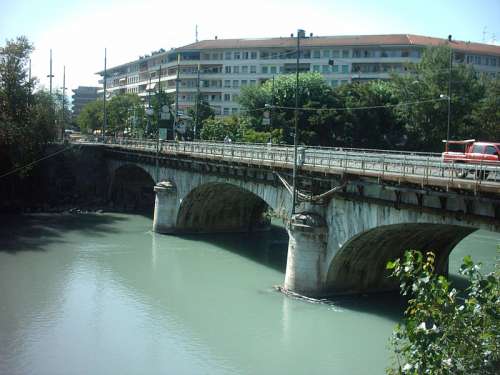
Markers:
{"x": 81, "y": 96}
{"x": 226, "y": 65}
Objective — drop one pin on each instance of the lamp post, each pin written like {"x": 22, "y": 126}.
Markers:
{"x": 300, "y": 34}
{"x": 449, "y": 94}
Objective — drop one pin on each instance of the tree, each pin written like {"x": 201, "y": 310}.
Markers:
{"x": 205, "y": 112}
{"x": 442, "y": 332}
{"x": 27, "y": 120}
{"x": 217, "y": 129}
{"x": 119, "y": 110}
{"x": 426, "y": 123}
{"x": 316, "y": 127}
{"x": 90, "y": 117}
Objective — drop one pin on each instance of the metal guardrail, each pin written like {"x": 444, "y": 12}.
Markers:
{"x": 367, "y": 162}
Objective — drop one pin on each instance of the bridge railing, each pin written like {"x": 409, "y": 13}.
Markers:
{"x": 373, "y": 162}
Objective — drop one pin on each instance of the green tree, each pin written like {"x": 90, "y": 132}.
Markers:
{"x": 426, "y": 123}
{"x": 205, "y": 112}
{"x": 443, "y": 333}
{"x": 217, "y": 129}
{"x": 26, "y": 119}
{"x": 119, "y": 111}
{"x": 315, "y": 127}
{"x": 90, "y": 117}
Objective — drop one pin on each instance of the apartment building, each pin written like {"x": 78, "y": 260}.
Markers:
{"x": 81, "y": 96}
{"x": 221, "y": 67}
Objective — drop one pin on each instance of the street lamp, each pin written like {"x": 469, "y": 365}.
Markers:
{"x": 300, "y": 34}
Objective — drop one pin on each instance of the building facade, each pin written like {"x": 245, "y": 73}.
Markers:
{"x": 219, "y": 68}
{"x": 81, "y": 96}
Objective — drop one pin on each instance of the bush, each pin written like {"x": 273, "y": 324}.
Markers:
{"x": 444, "y": 333}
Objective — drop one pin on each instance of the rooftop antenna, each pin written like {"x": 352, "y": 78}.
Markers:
{"x": 196, "y": 33}
{"x": 484, "y": 34}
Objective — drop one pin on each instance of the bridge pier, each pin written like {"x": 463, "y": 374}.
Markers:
{"x": 307, "y": 250}
{"x": 165, "y": 215}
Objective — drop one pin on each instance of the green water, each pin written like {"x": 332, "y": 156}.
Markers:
{"x": 102, "y": 294}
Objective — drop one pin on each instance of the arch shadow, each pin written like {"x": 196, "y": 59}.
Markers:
{"x": 360, "y": 265}
{"x": 131, "y": 190}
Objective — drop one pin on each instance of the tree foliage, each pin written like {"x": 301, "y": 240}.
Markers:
{"x": 27, "y": 119}
{"x": 442, "y": 332}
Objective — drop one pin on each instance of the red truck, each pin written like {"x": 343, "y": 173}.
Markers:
{"x": 474, "y": 154}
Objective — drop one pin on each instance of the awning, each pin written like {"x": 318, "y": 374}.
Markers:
{"x": 151, "y": 86}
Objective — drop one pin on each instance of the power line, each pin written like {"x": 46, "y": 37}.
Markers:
{"x": 361, "y": 108}
{"x": 35, "y": 162}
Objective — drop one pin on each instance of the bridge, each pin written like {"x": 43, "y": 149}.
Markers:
{"x": 356, "y": 209}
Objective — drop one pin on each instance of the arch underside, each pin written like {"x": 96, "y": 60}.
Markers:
{"x": 360, "y": 265}
{"x": 221, "y": 207}
{"x": 132, "y": 189}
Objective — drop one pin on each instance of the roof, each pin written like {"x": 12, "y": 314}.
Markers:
{"x": 345, "y": 40}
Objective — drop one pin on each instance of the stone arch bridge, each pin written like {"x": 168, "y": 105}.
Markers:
{"x": 356, "y": 209}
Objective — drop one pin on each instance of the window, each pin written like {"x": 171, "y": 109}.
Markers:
{"x": 335, "y": 68}
{"x": 477, "y": 60}
{"x": 345, "y": 53}
{"x": 236, "y": 83}
{"x": 282, "y": 69}
{"x": 490, "y": 150}
{"x": 316, "y": 68}
{"x": 227, "y": 55}
{"x": 234, "y": 111}
{"x": 477, "y": 149}
{"x": 253, "y": 69}
{"x": 344, "y": 81}
{"x": 225, "y": 111}
{"x": 325, "y": 68}
{"x": 326, "y": 53}
{"x": 215, "y": 56}
{"x": 228, "y": 69}
{"x": 335, "y": 53}
{"x": 237, "y": 55}
{"x": 253, "y": 55}
{"x": 345, "y": 68}
{"x": 253, "y": 82}
{"x": 273, "y": 70}
{"x": 227, "y": 83}
{"x": 236, "y": 69}
{"x": 316, "y": 54}
{"x": 245, "y": 55}
{"x": 244, "y": 69}
{"x": 227, "y": 97}
{"x": 244, "y": 82}
{"x": 264, "y": 55}
{"x": 264, "y": 70}
{"x": 334, "y": 83}
{"x": 235, "y": 97}
{"x": 493, "y": 61}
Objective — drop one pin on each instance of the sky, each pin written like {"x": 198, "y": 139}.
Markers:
{"x": 77, "y": 31}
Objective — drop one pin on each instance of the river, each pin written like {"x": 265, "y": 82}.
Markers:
{"x": 102, "y": 294}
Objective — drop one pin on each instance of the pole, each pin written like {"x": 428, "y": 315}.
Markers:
{"x": 449, "y": 95}
{"x": 176, "y": 95}
{"x": 158, "y": 127}
{"x": 272, "y": 105}
{"x": 149, "y": 104}
{"x": 197, "y": 102}
{"x": 50, "y": 76}
{"x": 104, "y": 123}
{"x": 63, "y": 103}
{"x": 295, "y": 135}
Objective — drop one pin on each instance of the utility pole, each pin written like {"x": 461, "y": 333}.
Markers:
{"x": 300, "y": 33}
{"x": 157, "y": 169}
{"x": 50, "y": 76}
{"x": 196, "y": 123}
{"x": 196, "y": 33}
{"x": 176, "y": 95}
{"x": 63, "y": 103}
{"x": 105, "y": 117}
{"x": 449, "y": 93}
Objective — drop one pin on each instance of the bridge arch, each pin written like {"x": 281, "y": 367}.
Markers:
{"x": 131, "y": 188}
{"x": 359, "y": 266}
{"x": 221, "y": 207}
